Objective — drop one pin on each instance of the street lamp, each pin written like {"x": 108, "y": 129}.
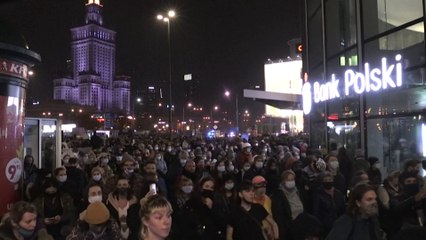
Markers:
{"x": 228, "y": 94}
{"x": 170, "y": 14}
{"x": 215, "y": 108}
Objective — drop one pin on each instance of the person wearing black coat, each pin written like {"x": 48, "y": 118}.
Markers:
{"x": 203, "y": 216}
{"x": 329, "y": 202}
{"x": 284, "y": 210}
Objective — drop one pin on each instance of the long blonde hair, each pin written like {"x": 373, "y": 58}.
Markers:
{"x": 153, "y": 202}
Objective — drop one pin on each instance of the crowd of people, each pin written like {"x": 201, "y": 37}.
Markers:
{"x": 151, "y": 187}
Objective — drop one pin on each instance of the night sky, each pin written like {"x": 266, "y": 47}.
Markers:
{"x": 223, "y": 43}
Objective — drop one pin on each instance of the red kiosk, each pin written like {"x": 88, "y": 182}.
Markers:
{"x": 15, "y": 62}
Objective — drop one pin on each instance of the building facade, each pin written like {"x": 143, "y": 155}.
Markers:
{"x": 364, "y": 73}
{"x": 93, "y": 81}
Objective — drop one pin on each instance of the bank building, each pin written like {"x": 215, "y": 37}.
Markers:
{"x": 364, "y": 78}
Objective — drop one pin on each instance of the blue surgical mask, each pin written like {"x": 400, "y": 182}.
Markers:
{"x": 187, "y": 189}
{"x": 97, "y": 177}
{"x": 25, "y": 233}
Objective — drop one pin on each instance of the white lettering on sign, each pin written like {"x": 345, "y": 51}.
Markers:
{"x": 12, "y": 68}
{"x": 13, "y": 170}
{"x": 326, "y": 91}
{"x": 375, "y": 79}
{"x": 307, "y": 98}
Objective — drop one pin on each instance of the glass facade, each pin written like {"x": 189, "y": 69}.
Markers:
{"x": 371, "y": 38}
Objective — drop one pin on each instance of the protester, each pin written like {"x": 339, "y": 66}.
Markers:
{"x": 119, "y": 202}
{"x": 56, "y": 208}
{"x": 272, "y": 176}
{"x": 329, "y": 202}
{"x": 182, "y": 193}
{"x": 77, "y": 180}
{"x": 30, "y": 177}
{"x": 334, "y": 168}
{"x": 256, "y": 169}
{"x": 203, "y": 215}
{"x": 246, "y": 218}
{"x": 156, "y": 216}
{"x": 22, "y": 223}
{"x": 410, "y": 206}
{"x": 229, "y": 190}
{"x": 360, "y": 220}
{"x": 245, "y": 154}
{"x": 93, "y": 193}
{"x": 97, "y": 224}
{"x": 374, "y": 173}
{"x": 287, "y": 205}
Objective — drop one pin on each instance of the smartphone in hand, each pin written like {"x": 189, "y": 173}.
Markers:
{"x": 153, "y": 188}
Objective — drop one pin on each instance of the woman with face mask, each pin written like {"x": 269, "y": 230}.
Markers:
{"x": 203, "y": 215}
{"x": 119, "y": 202}
{"x": 97, "y": 176}
{"x": 55, "y": 208}
{"x": 286, "y": 203}
{"x": 93, "y": 193}
{"x": 257, "y": 168}
{"x": 183, "y": 191}
{"x": 328, "y": 202}
{"x": 103, "y": 162}
{"x": 229, "y": 190}
{"x": 219, "y": 172}
{"x": 22, "y": 222}
{"x": 333, "y": 167}
{"x": 61, "y": 178}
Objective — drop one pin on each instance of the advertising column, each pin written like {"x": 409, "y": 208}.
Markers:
{"x": 15, "y": 62}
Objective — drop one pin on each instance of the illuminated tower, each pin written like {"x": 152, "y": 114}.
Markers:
{"x": 93, "y": 56}
{"x": 93, "y": 67}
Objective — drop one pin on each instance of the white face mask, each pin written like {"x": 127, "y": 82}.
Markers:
{"x": 246, "y": 168}
{"x": 61, "y": 178}
{"x": 97, "y": 198}
{"x": 259, "y": 164}
{"x": 231, "y": 168}
{"x": 221, "y": 168}
{"x": 229, "y": 186}
{"x": 187, "y": 189}
{"x": 119, "y": 158}
{"x": 66, "y": 160}
{"x": 290, "y": 184}
{"x": 182, "y": 162}
{"x": 333, "y": 165}
{"x": 97, "y": 177}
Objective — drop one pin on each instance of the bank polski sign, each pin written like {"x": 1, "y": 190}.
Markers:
{"x": 370, "y": 80}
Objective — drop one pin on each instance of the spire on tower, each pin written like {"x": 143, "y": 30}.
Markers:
{"x": 97, "y": 2}
{"x": 94, "y": 12}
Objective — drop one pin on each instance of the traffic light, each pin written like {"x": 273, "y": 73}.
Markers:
{"x": 299, "y": 48}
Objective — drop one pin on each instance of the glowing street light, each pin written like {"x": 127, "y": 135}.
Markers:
{"x": 171, "y": 14}
{"x": 228, "y": 94}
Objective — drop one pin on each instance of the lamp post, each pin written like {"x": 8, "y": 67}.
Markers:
{"x": 227, "y": 94}
{"x": 215, "y": 108}
{"x": 183, "y": 115}
{"x": 170, "y": 14}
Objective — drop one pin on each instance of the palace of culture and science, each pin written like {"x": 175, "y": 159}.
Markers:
{"x": 93, "y": 82}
